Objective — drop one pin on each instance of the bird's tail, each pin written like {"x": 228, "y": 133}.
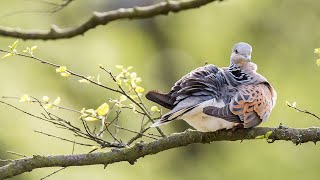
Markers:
{"x": 173, "y": 115}
{"x": 160, "y": 122}
{"x": 159, "y": 98}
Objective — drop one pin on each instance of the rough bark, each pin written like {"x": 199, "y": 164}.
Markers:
{"x": 131, "y": 154}
{"x": 102, "y": 18}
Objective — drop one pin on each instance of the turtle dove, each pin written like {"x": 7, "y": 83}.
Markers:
{"x": 211, "y": 98}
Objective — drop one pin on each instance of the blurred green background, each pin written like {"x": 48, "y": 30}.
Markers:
{"x": 283, "y": 34}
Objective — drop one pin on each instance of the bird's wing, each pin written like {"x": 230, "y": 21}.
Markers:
{"x": 200, "y": 85}
{"x": 253, "y": 103}
{"x": 206, "y": 82}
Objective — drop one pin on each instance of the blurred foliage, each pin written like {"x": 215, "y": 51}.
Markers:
{"x": 162, "y": 49}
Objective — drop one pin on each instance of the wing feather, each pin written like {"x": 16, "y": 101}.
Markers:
{"x": 253, "y": 103}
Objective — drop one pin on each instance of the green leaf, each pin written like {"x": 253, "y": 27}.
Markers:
{"x": 61, "y": 69}
{"x": 7, "y": 55}
{"x": 45, "y": 99}
{"x": 119, "y": 67}
{"x": 90, "y": 111}
{"x": 122, "y": 98}
{"x": 65, "y": 74}
{"x": 139, "y": 89}
{"x": 268, "y": 134}
{"x": 155, "y": 109}
{"x": 260, "y": 137}
{"x": 318, "y": 62}
{"x": 14, "y": 45}
{"x": 90, "y": 119}
{"x": 133, "y": 75}
{"x": 48, "y": 106}
{"x": 33, "y": 48}
{"x": 103, "y": 109}
{"x": 25, "y": 98}
{"x": 98, "y": 79}
{"x": 83, "y": 81}
{"x": 57, "y": 101}
{"x": 317, "y": 51}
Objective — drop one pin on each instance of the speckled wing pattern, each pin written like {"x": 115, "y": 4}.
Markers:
{"x": 253, "y": 103}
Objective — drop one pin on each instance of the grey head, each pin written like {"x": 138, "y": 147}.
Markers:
{"x": 241, "y": 53}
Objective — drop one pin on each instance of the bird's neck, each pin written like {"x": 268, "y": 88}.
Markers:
{"x": 237, "y": 72}
{"x": 243, "y": 73}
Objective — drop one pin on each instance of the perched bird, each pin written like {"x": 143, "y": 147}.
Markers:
{"x": 211, "y": 98}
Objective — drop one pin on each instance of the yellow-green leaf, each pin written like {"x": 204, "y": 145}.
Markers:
{"x": 83, "y": 81}
{"x": 33, "y": 48}
{"x": 90, "y": 111}
{"x": 45, "y": 99}
{"x": 155, "y": 109}
{"x": 57, "y": 101}
{"x": 90, "y": 119}
{"x": 103, "y": 109}
{"x": 48, "y": 106}
{"x": 25, "y": 98}
{"x": 14, "y": 45}
{"x": 133, "y": 75}
{"x": 268, "y": 134}
{"x": 139, "y": 89}
{"x": 318, "y": 62}
{"x": 119, "y": 67}
{"x": 7, "y": 55}
{"x": 260, "y": 137}
{"x": 65, "y": 74}
{"x": 82, "y": 110}
{"x": 133, "y": 96}
{"x": 61, "y": 69}
{"x": 98, "y": 79}
{"x": 317, "y": 51}
{"x": 138, "y": 80}
{"x": 133, "y": 107}
{"x": 122, "y": 98}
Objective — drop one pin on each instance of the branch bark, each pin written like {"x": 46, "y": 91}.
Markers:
{"x": 131, "y": 154}
{"x": 102, "y": 18}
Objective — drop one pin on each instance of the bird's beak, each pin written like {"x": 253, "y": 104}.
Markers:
{"x": 248, "y": 57}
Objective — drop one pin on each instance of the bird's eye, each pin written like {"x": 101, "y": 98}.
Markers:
{"x": 236, "y": 51}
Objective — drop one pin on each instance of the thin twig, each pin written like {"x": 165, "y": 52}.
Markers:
{"x": 63, "y": 139}
{"x": 303, "y": 111}
{"x": 17, "y": 154}
{"x": 137, "y": 133}
{"x": 57, "y": 66}
{"x": 44, "y": 103}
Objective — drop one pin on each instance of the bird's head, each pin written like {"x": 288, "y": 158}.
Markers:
{"x": 241, "y": 53}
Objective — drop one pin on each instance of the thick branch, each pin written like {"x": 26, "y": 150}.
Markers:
{"x": 139, "y": 150}
{"x": 102, "y": 18}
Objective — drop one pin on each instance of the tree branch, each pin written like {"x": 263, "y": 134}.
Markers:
{"x": 102, "y": 18}
{"x": 131, "y": 154}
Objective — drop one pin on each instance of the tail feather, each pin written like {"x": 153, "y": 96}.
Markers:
{"x": 160, "y": 98}
{"x": 160, "y": 122}
{"x": 173, "y": 115}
